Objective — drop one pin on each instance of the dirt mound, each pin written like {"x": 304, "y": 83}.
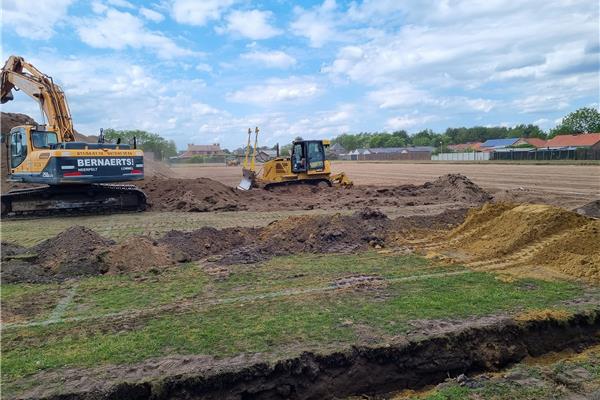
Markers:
{"x": 458, "y": 187}
{"x": 206, "y": 241}
{"x": 591, "y": 209}
{"x": 157, "y": 169}
{"x": 136, "y": 254}
{"x": 8, "y": 250}
{"x": 575, "y": 253}
{"x": 73, "y": 252}
{"x": 501, "y": 229}
{"x": 194, "y": 195}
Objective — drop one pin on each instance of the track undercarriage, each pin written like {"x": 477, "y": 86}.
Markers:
{"x": 72, "y": 200}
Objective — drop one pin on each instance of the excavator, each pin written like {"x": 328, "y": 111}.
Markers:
{"x": 76, "y": 174}
{"x": 307, "y": 164}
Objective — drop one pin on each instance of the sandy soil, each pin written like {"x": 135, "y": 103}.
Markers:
{"x": 566, "y": 185}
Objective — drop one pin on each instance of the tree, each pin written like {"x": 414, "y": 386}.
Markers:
{"x": 583, "y": 120}
{"x": 147, "y": 141}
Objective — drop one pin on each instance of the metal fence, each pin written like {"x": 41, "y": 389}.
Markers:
{"x": 546, "y": 154}
{"x": 468, "y": 156}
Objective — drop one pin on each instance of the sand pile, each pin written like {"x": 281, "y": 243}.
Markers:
{"x": 575, "y": 253}
{"x": 502, "y": 229}
{"x": 194, "y": 195}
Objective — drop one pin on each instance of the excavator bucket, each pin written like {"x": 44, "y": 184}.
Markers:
{"x": 247, "y": 179}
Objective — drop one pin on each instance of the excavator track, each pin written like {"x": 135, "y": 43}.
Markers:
{"x": 72, "y": 200}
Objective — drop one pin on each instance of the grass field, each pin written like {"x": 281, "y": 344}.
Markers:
{"x": 282, "y": 306}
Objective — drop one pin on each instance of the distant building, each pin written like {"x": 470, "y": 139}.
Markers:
{"x": 393, "y": 153}
{"x": 534, "y": 142}
{"x": 469, "y": 146}
{"x": 202, "y": 150}
{"x": 499, "y": 143}
{"x": 585, "y": 140}
{"x": 337, "y": 149}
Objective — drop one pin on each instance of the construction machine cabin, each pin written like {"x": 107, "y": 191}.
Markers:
{"x": 307, "y": 164}
{"x": 50, "y": 155}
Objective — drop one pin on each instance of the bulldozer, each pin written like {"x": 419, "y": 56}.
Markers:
{"x": 307, "y": 164}
{"x": 76, "y": 174}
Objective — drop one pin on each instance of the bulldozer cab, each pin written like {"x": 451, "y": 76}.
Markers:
{"x": 308, "y": 155}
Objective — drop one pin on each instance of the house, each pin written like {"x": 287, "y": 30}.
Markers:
{"x": 202, "y": 150}
{"x": 586, "y": 140}
{"x": 498, "y": 143}
{"x": 266, "y": 155}
{"x": 469, "y": 146}
{"x": 337, "y": 149}
{"x": 533, "y": 142}
{"x": 393, "y": 153}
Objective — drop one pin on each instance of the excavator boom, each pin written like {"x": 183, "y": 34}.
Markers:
{"x": 20, "y": 75}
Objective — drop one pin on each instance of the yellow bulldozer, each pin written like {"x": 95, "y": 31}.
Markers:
{"x": 307, "y": 164}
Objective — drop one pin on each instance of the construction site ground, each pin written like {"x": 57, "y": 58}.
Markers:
{"x": 412, "y": 284}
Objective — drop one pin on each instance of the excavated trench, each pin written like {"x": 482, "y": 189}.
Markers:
{"x": 485, "y": 345}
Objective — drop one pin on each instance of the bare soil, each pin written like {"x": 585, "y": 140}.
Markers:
{"x": 203, "y": 194}
{"x": 567, "y": 186}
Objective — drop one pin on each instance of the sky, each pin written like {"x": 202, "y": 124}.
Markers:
{"x": 204, "y": 71}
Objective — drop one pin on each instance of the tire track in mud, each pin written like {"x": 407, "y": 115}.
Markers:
{"x": 188, "y": 305}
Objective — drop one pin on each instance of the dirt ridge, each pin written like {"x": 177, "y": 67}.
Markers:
{"x": 488, "y": 345}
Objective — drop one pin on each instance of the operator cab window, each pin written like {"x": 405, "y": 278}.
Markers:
{"x": 43, "y": 139}
{"x": 18, "y": 147}
{"x": 298, "y": 158}
{"x": 316, "y": 156}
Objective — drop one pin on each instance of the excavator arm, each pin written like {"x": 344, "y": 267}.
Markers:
{"x": 18, "y": 74}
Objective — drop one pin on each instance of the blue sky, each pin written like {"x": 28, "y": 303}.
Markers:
{"x": 205, "y": 71}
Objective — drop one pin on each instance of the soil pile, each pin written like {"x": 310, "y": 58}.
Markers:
{"x": 591, "y": 209}
{"x": 206, "y": 241}
{"x": 575, "y": 253}
{"x": 502, "y": 229}
{"x": 193, "y": 195}
{"x": 203, "y": 194}
{"x": 457, "y": 187}
{"x": 136, "y": 254}
{"x": 73, "y": 252}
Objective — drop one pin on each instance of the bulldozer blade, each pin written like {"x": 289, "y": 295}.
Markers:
{"x": 247, "y": 179}
{"x": 245, "y": 184}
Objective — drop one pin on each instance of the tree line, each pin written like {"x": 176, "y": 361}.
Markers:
{"x": 147, "y": 141}
{"x": 584, "y": 120}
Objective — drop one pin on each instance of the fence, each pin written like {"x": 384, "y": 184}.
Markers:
{"x": 547, "y": 154}
{"x": 414, "y": 155}
{"x": 469, "y": 156}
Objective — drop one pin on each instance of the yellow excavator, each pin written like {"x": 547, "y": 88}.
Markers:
{"x": 76, "y": 172}
{"x": 307, "y": 164}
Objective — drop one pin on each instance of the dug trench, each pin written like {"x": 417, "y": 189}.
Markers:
{"x": 488, "y": 344}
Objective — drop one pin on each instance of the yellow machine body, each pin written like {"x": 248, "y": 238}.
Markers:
{"x": 307, "y": 164}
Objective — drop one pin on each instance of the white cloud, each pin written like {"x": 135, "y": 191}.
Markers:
{"x": 253, "y": 24}
{"x": 318, "y": 24}
{"x": 198, "y": 12}
{"x": 407, "y": 121}
{"x": 272, "y": 59}
{"x": 120, "y": 3}
{"x": 152, "y": 15}
{"x": 34, "y": 21}
{"x": 203, "y": 67}
{"x": 276, "y": 90}
{"x": 100, "y": 32}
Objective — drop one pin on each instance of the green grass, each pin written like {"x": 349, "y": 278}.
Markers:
{"x": 538, "y": 381}
{"x": 319, "y": 320}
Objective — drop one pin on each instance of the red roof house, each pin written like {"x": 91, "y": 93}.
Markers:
{"x": 589, "y": 140}
{"x": 535, "y": 142}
